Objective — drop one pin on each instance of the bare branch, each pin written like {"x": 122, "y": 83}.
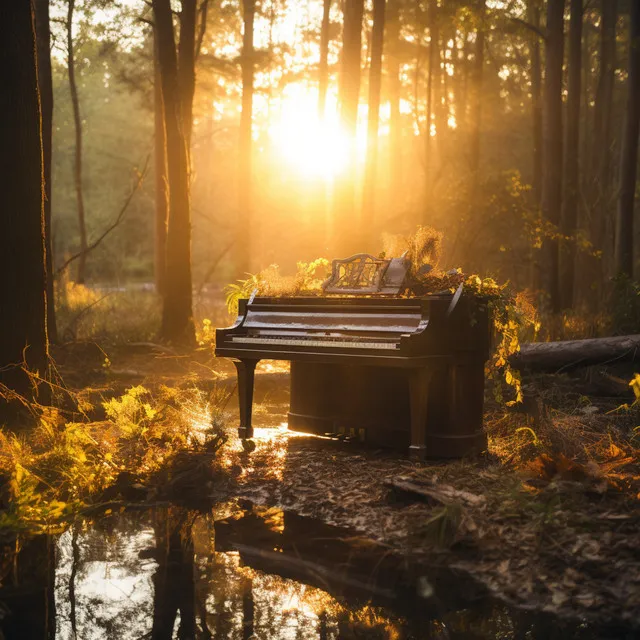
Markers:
{"x": 204, "y": 6}
{"x": 531, "y": 27}
{"x": 214, "y": 265}
{"x": 113, "y": 225}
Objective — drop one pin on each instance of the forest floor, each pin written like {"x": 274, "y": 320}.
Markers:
{"x": 548, "y": 519}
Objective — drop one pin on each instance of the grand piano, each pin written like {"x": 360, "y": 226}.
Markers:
{"x": 369, "y": 364}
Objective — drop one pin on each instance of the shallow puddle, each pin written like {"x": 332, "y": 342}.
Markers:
{"x": 239, "y": 571}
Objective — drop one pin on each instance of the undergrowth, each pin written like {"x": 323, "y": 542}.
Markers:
{"x": 59, "y": 467}
{"x": 110, "y": 315}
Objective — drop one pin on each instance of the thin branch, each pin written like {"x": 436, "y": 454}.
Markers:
{"x": 531, "y": 27}
{"x": 112, "y": 226}
{"x": 204, "y": 7}
{"x": 214, "y": 265}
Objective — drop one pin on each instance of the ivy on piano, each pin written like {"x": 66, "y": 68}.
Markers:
{"x": 513, "y": 316}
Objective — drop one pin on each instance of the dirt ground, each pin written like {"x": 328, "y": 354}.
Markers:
{"x": 548, "y": 519}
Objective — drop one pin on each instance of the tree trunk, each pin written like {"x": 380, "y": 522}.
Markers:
{"x": 323, "y": 68}
{"x": 161, "y": 186}
{"x": 349, "y": 89}
{"x": 45, "y": 82}
{"x": 23, "y": 312}
{"x": 177, "y": 314}
{"x": 375, "y": 83}
{"x": 393, "y": 74}
{"x": 536, "y": 111}
{"x": 569, "y": 219}
{"x": 552, "y": 143}
{"x": 551, "y": 356}
{"x": 536, "y": 100}
{"x": 246, "y": 231}
{"x": 476, "y": 96}
{"x": 433, "y": 63}
{"x": 348, "y": 98}
{"x": 77, "y": 170}
{"x": 629, "y": 153}
{"x": 187, "y": 67}
{"x": 603, "y": 140}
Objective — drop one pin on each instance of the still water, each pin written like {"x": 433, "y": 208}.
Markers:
{"x": 239, "y": 571}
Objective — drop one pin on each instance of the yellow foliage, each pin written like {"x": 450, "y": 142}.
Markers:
{"x": 270, "y": 282}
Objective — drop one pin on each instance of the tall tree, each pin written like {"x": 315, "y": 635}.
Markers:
{"x": 392, "y": 58}
{"x": 375, "y": 84}
{"x": 569, "y": 219}
{"x": 536, "y": 97}
{"x": 177, "y": 313}
{"x": 161, "y": 178}
{"x": 349, "y": 85}
{"x": 323, "y": 69}
{"x": 433, "y": 70}
{"x": 476, "y": 93}
{"x": 23, "y": 312}
{"x": 245, "y": 229}
{"x": 77, "y": 167}
{"x": 552, "y": 142}
{"x": 629, "y": 153}
{"x": 603, "y": 143}
{"x": 187, "y": 66}
{"x": 45, "y": 82}
{"x": 348, "y": 98}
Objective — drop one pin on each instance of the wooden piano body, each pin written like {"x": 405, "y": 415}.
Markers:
{"x": 390, "y": 371}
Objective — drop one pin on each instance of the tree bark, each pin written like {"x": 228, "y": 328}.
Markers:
{"x": 569, "y": 221}
{"x": 552, "y": 143}
{"x": 393, "y": 74}
{"x": 323, "y": 67}
{"x": 348, "y": 99}
{"x": 246, "y": 231}
{"x": 187, "y": 66}
{"x": 23, "y": 312}
{"x": 551, "y": 356}
{"x": 603, "y": 140}
{"x": 476, "y": 96}
{"x": 536, "y": 100}
{"x": 536, "y": 113}
{"x": 45, "y": 83}
{"x": 77, "y": 168}
{"x": 375, "y": 84}
{"x": 433, "y": 63}
{"x": 177, "y": 314}
{"x": 629, "y": 152}
{"x": 349, "y": 86}
{"x": 161, "y": 178}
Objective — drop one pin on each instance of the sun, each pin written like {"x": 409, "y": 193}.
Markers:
{"x": 312, "y": 147}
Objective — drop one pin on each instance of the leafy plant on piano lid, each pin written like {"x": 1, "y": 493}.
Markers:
{"x": 307, "y": 280}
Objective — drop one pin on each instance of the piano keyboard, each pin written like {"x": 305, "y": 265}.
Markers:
{"x": 305, "y": 342}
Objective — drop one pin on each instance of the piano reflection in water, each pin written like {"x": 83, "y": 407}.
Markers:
{"x": 388, "y": 370}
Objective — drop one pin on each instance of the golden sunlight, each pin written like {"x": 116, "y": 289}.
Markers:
{"x": 311, "y": 147}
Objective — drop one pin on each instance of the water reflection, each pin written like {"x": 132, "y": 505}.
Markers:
{"x": 237, "y": 571}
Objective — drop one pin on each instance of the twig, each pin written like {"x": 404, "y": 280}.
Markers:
{"x": 112, "y": 226}
{"x": 204, "y": 6}
{"x": 214, "y": 265}
{"x": 531, "y": 27}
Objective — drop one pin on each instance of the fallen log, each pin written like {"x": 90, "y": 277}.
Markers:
{"x": 569, "y": 354}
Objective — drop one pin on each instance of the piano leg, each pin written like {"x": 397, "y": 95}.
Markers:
{"x": 419, "y": 395}
{"x": 246, "y": 370}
